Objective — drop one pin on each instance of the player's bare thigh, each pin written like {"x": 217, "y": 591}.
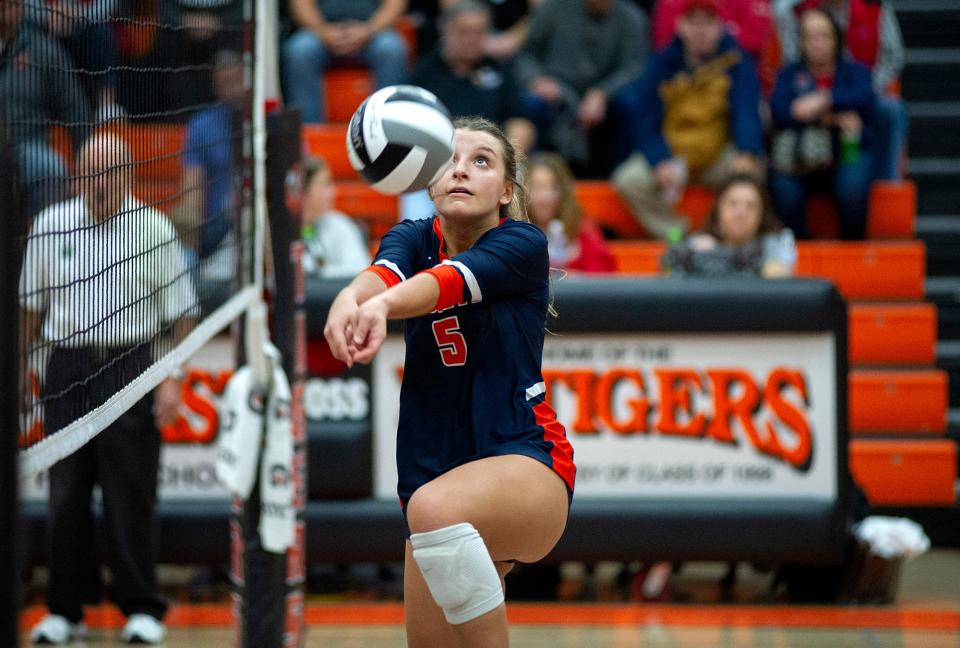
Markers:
{"x": 517, "y": 504}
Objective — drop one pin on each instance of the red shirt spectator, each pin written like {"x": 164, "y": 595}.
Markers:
{"x": 573, "y": 243}
{"x": 749, "y": 21}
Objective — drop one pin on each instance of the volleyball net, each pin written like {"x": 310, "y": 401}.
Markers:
{"x": 138, "y": 209}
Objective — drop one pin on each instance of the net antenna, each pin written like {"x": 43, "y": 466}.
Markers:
{"x": 257, "y": 335}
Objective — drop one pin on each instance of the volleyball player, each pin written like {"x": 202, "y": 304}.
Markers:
{"x": 485, "y": 470}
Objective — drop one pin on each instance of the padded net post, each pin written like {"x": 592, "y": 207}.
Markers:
{"x": 268, "y": 587}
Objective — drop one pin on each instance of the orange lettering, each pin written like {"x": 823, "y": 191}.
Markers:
{"x": 200, "y": 406}
{"x": 180, "y": 430}
{"x": 580, "y": 382}
{"x": 674, "y": 394}
{"x": 724, "y": 408}
{"x": 790, "y": 415}
{"x": 639, "y": 406}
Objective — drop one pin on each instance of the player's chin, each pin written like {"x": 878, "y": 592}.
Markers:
{"x": 460, "y": 208}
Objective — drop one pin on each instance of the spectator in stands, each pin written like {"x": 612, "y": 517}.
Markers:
{"x": 822, "y": 107}
{"x": 579, "y": 54}
{"x": 872, "y": 37}
{"x": 37, "y": 89}
{"x": 204, "y": 215}
{"x": 101, "y": 319}
{"x": 84, "y": 29}
{"x": 696, "y": 114}
{"x": 208, "y": 26}
{"x": 340, "y": 30}
{"x": 468, "y": 82}
{"x": 748, "y": 21}
{"x": 511, "y": 22}
{"x": 335, "y": 245}
{"x": 741, "y": 236}
{"x": 573, "y": 242}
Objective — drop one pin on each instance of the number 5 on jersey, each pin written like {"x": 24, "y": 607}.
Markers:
{"x": 450, "y": 341}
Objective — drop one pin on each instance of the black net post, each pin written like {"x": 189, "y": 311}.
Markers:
{"x": 269, "y": 597}
{"x": 10, "y": 241}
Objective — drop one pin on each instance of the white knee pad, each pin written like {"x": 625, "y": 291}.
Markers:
{"x": 459, "y": 571}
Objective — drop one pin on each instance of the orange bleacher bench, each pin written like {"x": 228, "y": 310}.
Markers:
{"x": 157, "y": 155}
{"x": 892, "y": 334}
{"x": 861, "y": 270}
{"x": 915, "y": 472}
{"x": 899, "y": 402}
{"x": 329, "y": 142}
{"x": 602, "y": 204}
{"x": 892, "y": 209}
{"x": 344, "y": 90}
{"x": 378, "y": 211}
{"x": 637, "y": 257}
{"x": 866, "y": 269}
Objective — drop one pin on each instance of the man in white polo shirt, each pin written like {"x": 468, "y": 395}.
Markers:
{"x": 105, "y": 289}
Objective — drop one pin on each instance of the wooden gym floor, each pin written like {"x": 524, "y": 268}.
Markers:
{"x": 925, "y": 615}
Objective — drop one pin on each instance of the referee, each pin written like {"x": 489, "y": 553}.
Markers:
{"x": 103, "y": 290}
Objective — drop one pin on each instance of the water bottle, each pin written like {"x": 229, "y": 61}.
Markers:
{"x": 849, "y": 147}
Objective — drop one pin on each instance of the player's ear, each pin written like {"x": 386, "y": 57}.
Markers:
{"x": 507, "y": 196}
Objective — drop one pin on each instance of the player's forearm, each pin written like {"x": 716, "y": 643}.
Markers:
{"x": 364, "y": 286}
{"x": 412, "y": 298}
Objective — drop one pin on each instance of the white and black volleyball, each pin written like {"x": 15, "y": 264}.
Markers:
{"x": 400, "y": 139}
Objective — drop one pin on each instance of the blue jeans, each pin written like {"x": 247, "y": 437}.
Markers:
{"x": 305, "y": 58}
{"x": 43, "y": 173}
{"x": 848, "y": 184}
{"x": 891, "y": 128}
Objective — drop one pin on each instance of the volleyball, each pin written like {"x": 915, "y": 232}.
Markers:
{"x": 400, "y": 139}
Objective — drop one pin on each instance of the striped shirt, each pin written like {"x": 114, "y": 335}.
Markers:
{"x": 109, "y": 283}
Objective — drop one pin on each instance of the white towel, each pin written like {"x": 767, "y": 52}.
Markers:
{"x": 241, "y": 433}
{"x": 278, "y": 520}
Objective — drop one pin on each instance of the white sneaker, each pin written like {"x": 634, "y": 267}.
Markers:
{"x": 143, "y": 629}
{"x": 56, "y": 630}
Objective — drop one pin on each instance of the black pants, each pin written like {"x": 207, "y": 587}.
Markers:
{"x": 123, "y": 459}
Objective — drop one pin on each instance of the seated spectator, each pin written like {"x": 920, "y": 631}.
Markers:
{"x": 207, "y": 26}
{"x": 696, "y": 109}
{"x": 85, "y": 31}
{"x": 748, "y": 21}
{"x": 335, "y": 245}
{"x": 340, "y": 30}
{"x": 821, "y": 109}
{"x": 872, "y": 37}
{"x": 466, "y": 80}
{"x": 38, "y": 88}
{"x": 574, "y": 243}
{"x": 511, "y": 22}
{"x": 205, "y": 215}
{"x": 741, "y": 236}
{"x": 578, "y": 55}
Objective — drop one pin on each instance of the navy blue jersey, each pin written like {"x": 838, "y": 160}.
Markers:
{"x": 472, "y": 386}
